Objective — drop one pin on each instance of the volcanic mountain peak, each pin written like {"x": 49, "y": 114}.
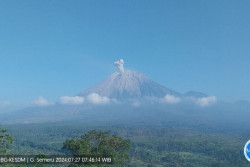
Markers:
{"x": 127, "y": 84}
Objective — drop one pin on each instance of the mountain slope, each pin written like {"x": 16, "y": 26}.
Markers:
{"x": 129, "y": 85}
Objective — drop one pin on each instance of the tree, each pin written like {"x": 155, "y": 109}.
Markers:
{"x": 5, "y": 141}
{"x": 100, "y": 144}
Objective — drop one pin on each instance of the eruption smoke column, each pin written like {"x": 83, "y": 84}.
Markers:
{"x": 119, "y": 64}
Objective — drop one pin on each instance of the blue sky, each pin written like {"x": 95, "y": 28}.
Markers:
{"x": 53, "y": 48}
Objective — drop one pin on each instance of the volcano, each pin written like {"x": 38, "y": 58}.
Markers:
{"x": 116, "y": 98}
{"x": 129, "y": 84}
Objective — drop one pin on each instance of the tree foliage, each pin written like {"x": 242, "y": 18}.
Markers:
{"x": 5, "y": 141}
{"x": 99, "y": 143}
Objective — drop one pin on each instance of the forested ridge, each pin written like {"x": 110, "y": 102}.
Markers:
{"x": 150, "y": 146}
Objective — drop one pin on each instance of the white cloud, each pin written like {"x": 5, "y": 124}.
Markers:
{"x": 97, "y": 99}
{"x": 171, "y": 99}
{"x": 71, "y": 100}
{"x": 5, "y": 104}
{"x": 206, "y": 101}
{"x": 42, "y": 102}
{"x": 136, "y": 103}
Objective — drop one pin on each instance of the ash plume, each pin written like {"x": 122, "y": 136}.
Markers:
{"x": 119, "y": 65}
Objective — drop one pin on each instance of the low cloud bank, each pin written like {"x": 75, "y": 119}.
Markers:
{"x": 136, "y": 103}
{"x": 202, "y": 102}
{"x": 72, "y": 100}
{"x": 206, "y": 101}
{"x": 42, "y": 102}
{"x": 95, "y": 98}
{"x": 171, "y": 99}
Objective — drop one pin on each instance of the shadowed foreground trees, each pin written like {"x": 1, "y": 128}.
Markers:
{"x": 5, "y": 141}
{"x": 99, "y": 143}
